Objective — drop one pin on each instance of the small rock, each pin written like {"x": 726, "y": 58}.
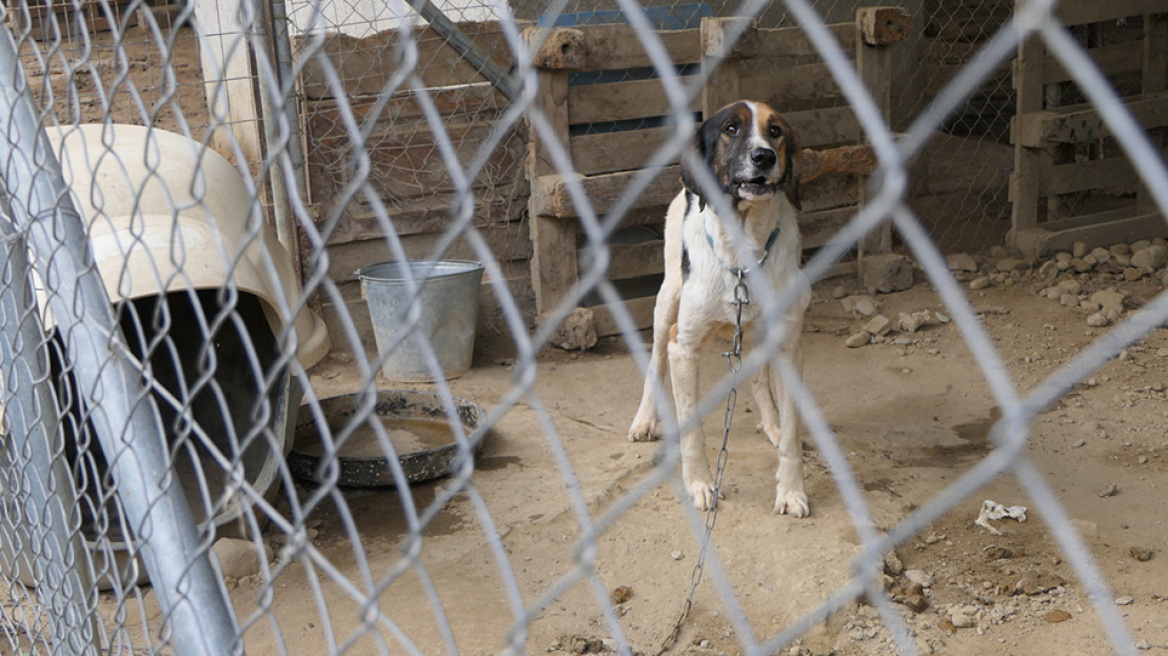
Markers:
{"x": 942, "y": 318}
{"x": 920, "y": 577}
{"x": 1140, "y": 245}
{"x": 1081, "y": 265}
{"x": 933, "y": 538}
{"x": 998, "y": 553}
{"x": 1079, "y": 443}
{"x": 1101, "y": 254}
{"x": 577, "y": 332}
{"x": 859, "y": 339}
{"x": 621, "y": 594}
{"x": 1008, "y": 264}
{"x": 239, "y": 558}
{"x": 1140, "y": 554}
{"x": 676, "y": 555}
{"x": 838, "y": 292}
{"x": 1120, "y": 249}
{"x": 886, "y": 272}
{"x": 1098, "y": 320}
{"x": 916, "y": 602}
{"x": 1153, "y": 256}
{"x": 998, "y": 251}
{"x": 1037, "y": 583}
{"x": 1056, "y": 616}
{"x": 1079, "y": 249}
{"x": 1069, "y": 300}
{"x": 979, "y": 283}
{"x": 1143, "y": 645}
{"x": 962, "y": 619}
{"x": 1132, "y": 274}
{"x": 1143, "y": 460}
{"x": 962, "y": 262}
{"x": 1048, "y": 270}
{"x": 1071, "y": 285}
{"x": 893, "y": 566}
{"x": 878, "y": 325}
{"x": 1108, "y": 490}
{"x": 863, "y": 305}
{"x": 910, "y": 323}
{"x": 1123, "y": 601}
{"x": 1109, "y": 299}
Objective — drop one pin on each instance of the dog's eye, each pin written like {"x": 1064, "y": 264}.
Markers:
{"x": 732, "y": 129}
{"x": 775, "y": 132}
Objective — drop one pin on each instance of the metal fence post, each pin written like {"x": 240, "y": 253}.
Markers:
{"x": 190, "y": 594}
{"x": 40, "y": 478}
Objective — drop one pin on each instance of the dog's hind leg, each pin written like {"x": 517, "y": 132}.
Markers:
{"x": 684, "y": 348}
{"x": 646, "y": 424}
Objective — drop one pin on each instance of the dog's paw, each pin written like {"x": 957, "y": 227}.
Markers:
{"x": 702, "y": 493}
{"x": 792, "y": 502}
{"x": 645, "y": 430}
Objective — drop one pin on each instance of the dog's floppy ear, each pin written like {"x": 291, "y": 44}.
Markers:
{"x": 702, "y": 144}
{"x": 794, "y": 168}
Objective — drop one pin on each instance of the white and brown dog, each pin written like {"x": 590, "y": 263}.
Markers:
{"x": 755, "y": 157}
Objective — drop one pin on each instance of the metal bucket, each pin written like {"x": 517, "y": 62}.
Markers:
{"x": 447, "y": 304}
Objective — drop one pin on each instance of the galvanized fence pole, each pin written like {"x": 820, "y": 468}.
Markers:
{"x": 192, "y": 598}
{"x": 38, "y": 480}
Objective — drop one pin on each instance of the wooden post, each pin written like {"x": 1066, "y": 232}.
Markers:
{"x": 720, "y": 61}
{"x": 1155, "y": 78}
{"x": 1024, "y": 188}
{"x": 553, "y": 264}
{"x": 876, "y": 29}
{"x": 229, "y": 81}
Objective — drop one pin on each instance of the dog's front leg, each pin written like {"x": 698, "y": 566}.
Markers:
{"x": 684, "y": 348}
{"x": 791, "y": 497}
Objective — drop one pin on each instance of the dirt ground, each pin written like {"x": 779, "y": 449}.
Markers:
{"x": 912, "y": 416}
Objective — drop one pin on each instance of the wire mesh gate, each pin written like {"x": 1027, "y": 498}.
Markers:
{"x": 159, "y": 333}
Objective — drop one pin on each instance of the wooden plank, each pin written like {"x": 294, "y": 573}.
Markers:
{"x": 475, "y": 100}
{"x": 640, "y": 309}
{"x": 406, "y": 164}
{"x": 1077, "y": 12}
{"x": 553, "y": 100}
{"x": 825, "y": 127}
{"x": 1112, "y": 60}
{"x": 620, "y": 101}
{"x": 785, "y": 86}
{"x": 628, "y": 260}
{"x": 1083, "y": 123}
{"x": 1082, "y": 176}
{"x": 774, "y": 43}
{"x": 431, "y": 214}
{"x": 1102, "y": 229}
{"x": 882, "y": 26}
{"x": 507, "y": 242}
{"x": 616, "y": 46}
{"x": 816, "y": 228}
{"x": 617, "y": 151}
{"x": 549, "y": 194}
{"x": 364, "y": 65}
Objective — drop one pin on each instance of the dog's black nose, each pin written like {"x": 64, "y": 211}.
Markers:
{"x": 763, "y": 158}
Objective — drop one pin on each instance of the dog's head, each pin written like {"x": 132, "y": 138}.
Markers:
{"x": 752, "y": 152}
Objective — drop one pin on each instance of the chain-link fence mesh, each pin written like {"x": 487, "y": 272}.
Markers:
{"x": 222, "y": 435}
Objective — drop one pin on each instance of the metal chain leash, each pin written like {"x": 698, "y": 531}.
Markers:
{"x": 734, "y": 363}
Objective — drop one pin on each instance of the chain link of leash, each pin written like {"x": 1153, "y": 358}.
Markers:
{"x": 734, "y": 363}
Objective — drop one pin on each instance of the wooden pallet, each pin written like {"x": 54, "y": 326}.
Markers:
{"x": 1048, "y": 170}
{"x": 777, "y": 66}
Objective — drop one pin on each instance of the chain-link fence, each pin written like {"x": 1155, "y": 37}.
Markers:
{"x": 229, "y": 426}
